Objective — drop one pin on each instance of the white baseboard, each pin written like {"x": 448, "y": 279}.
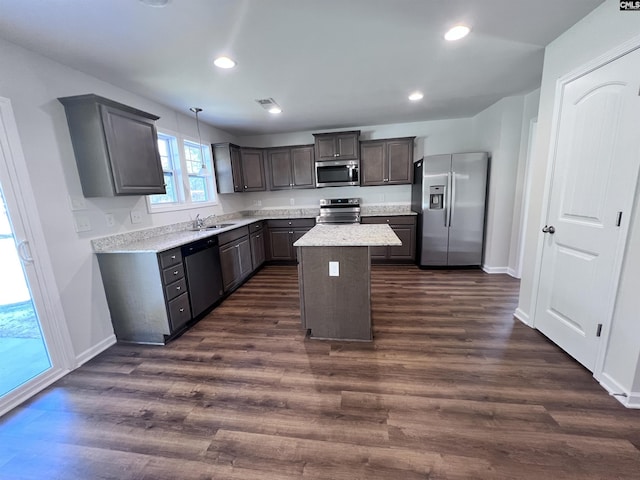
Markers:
{"x": 522, "y": 316}
{"x": 617, "y": 391}
{"x": 98, "y": 348}
{"x": 512, "y": 272}
{"x": 633, "y": 401}
{"x": 488, "y": 269}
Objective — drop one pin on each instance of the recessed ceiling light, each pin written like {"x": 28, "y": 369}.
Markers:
{"x": 275, "y": 110}
{"x": 224, "y": 62}
{"x": 415, "y": 96}
{"x": 457, "y": 32}
{"x": 155, "y": 3}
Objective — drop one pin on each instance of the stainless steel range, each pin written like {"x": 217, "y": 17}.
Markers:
{"x": 339, "y": 210}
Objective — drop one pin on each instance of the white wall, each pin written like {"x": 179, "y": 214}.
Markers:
{"x": 603, "y": 29}
{"x": 497, "y": 130}
{"x": 33, "y": 83}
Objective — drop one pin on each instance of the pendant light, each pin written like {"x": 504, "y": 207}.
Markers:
{"x": 203, "y": 168}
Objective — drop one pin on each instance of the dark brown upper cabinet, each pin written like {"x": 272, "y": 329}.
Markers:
{"x": 116, "y": 147}
{"x": 337, "y": 146}
{"x": 238, "y": 169}
{"x": 386, "y": 162}
{"x": 291, "y": 167}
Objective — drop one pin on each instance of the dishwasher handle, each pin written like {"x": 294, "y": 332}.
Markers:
{"x": 198, "y": 246}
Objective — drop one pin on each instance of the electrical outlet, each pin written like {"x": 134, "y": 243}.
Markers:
{"x": 258, "y": 203}
{"x": 334, "y": 269}
{"x": 292, "y": 201}
{"x": 136, "y": 216}
{"x": 110, "y": 220}
{"x": 77, "y": 203}
{"x": 83, "y": 224}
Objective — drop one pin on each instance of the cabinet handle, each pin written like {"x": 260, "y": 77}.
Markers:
{"x": 246, "y": 187}
{"x": 258, "y": 236}
{"x": 175, "y": 272}
{"x": 181, "y": 310}
{"x": 387, "y": 220}
{"x": 178, "y": 288}
{"x": 173, "y": 257}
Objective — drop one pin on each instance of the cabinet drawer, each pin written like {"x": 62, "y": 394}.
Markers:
{"x": 171, "y": 274}
{"x": 256, "y": 227}
{"x": 179, "y": 311}
{"x": 232, "y": 235}
{"x": 291, "y": 222}
{"x": 392, "y": 220}
{"x": 175, "y": 289}
{"x": 170, "y": 257}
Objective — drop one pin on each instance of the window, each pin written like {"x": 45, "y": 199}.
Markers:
{"x": 198, "y": 184}
{"x": 170, "y": 160}
{"x": 186, "y": 182}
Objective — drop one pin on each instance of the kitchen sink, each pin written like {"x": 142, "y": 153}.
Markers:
{"x": 213, "y": 227}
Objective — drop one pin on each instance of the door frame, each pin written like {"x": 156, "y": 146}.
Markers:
{"x": 600, "y": 61}
{"x": 42, "y": 281}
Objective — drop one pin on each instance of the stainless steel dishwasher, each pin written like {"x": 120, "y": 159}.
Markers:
{"x": 204, "y": 277}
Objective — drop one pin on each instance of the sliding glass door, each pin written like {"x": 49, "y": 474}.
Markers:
{"x": 23, "y": 353}
{"x": 35, "y": 348}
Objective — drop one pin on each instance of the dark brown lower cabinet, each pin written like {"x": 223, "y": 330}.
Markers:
{"x": 283, "y": 233}
{"x": 404, "y": 226}
{"x": 257, "y": 244}
{"x": 235, "y": 257}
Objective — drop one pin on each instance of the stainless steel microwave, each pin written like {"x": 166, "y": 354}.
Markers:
{"x": 337, "y": 173}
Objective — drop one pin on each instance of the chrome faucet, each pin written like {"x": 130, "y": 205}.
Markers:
{"x": 201, "y": 222}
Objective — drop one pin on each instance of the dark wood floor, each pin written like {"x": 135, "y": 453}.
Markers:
{"x": 452, "y": 388}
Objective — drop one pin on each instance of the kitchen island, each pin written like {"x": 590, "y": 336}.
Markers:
{"x": 334, "y": 274}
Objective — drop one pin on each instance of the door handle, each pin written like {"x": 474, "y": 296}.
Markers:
{"x": 550, "y": 229}
{"x": 453, "y": 198}
{"x": 24, "y": 252}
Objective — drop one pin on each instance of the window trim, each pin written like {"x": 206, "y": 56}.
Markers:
{"x": 182, "y": 179}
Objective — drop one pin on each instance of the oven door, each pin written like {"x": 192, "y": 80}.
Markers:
{"x": 337, "y": 173}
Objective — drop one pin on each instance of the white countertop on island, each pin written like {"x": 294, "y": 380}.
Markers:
{"x": 350, "y": 235}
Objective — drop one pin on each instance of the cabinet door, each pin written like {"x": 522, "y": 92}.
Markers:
{"x": 379, "y": 253}
{"x": 230, "y": 265}
{"x": 407, "y": 235}
{"x": 400, "y": 161}
{"x": 280, "y": 244}
{"x": 236, "y": 169}
{"x": 252, "y": 170}
{"x": 132, "y": 143}
{"x": 302, "y": 167}
{"x": 372, "y": 163}
{"x": 245, "y": 264}
{"x": 325, "y": 148}
{"x": 257, "y": 249}
{"x": 279, "y": 162}
{"x": 347, "y": 146}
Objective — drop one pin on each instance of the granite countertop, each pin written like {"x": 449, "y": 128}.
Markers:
{"x": 159, "y": 239}
{"x": 351, "y": 235}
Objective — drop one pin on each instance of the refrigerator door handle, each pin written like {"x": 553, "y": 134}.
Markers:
{"x": 447, "y": 200}
{"x": 453, "y": 197}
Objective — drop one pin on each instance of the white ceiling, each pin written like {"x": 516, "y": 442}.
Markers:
{"x": 328, "y": 63}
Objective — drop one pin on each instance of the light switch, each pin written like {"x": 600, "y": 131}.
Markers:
{"x": 83, "y": 224}
{"x": 110, "y": 220}
{"x": 334, "y": 269}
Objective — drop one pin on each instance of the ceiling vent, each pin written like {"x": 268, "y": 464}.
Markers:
{"x": 269, "y": 104}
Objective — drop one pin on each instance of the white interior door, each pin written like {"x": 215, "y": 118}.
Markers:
{"x": 596, "y": 159}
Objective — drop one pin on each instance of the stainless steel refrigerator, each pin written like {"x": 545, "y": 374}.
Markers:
{"x": 449, "y": 193}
